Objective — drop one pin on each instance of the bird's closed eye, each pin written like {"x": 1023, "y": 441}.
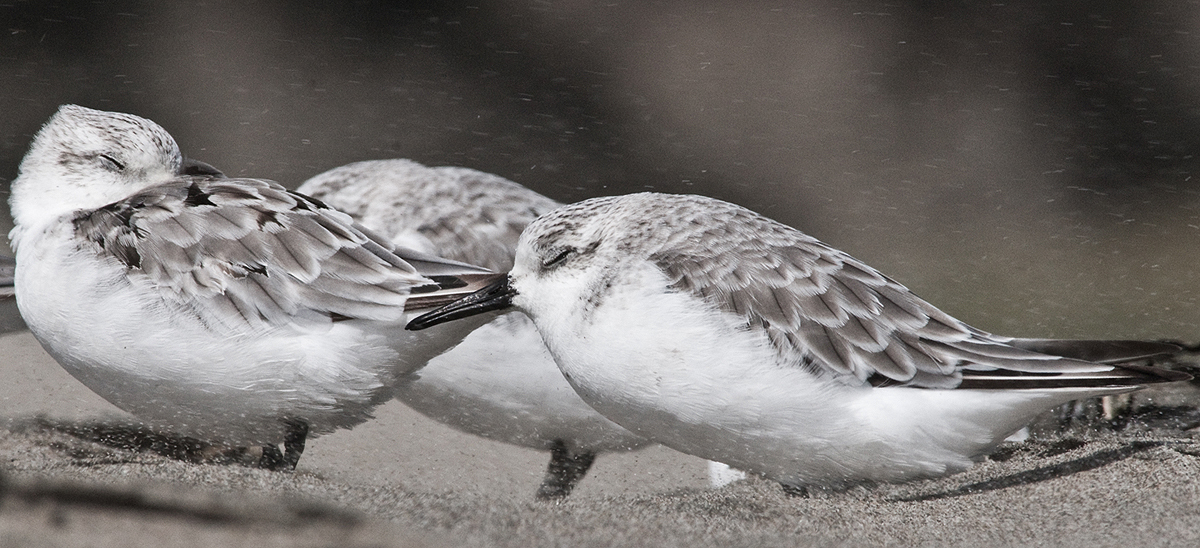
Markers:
{"x": 111, "y": 163}
{"x": 557, "y": 259}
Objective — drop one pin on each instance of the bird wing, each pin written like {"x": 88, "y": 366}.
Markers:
{"x": 484, "y": 222}
{"x": 248, "y": 251}
{"x": 1101, "y": 351}
{"x": 455, "y": 212}
{"x": 823, "y": 309}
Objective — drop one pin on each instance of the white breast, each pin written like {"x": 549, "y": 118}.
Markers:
{"x": 670, "y": 367}
{"x": 154, "y": 358}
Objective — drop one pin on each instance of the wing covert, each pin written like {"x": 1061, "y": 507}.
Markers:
{"x": 249, "y": 251}
{"x": 454, "y": 212}
{"x": 823, "y": 309}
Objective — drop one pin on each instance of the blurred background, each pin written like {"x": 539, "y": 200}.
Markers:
{"x": 1026, "y": 167}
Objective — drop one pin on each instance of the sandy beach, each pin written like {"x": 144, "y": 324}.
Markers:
{"x": 402, "y": 480}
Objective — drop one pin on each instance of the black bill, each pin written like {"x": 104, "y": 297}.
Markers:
{"x": 496, "y": 296}
{"x": 196, "y": 168}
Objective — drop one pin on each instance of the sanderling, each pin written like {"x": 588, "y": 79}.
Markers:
{"x": 721, "y": 333}
{"x": 231, "y": 310}
{"x": 500, "y": 382}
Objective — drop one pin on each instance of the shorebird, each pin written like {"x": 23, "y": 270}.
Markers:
{"x": 500, "y": 382}
{"x": 226, "y": 309}
{"x": 713, "y": 330}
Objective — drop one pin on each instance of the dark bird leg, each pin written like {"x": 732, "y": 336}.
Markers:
{"x": 293, "y": 446}
{"x": 271, "y": 458}
{"x": 293, "y": 442}
{"x": 564, "y": 471}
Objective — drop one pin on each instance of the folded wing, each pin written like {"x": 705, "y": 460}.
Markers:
{"x": 827, "y": 311}
{"x": 248, "y": 251}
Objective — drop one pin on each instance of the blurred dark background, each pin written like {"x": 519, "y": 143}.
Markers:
{"x": 1028, "y": 167}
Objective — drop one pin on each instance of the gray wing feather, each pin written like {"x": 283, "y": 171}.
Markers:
{"x": 247, "y": 251}
{"x": 1103, "y": 351}
{"x": 823, "y": 309}
{"x": 459, "y": 213}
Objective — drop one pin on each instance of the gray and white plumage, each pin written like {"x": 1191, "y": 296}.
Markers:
{"x": 227, "y": 309}
{"x": 461, "y": 212}
{"x": 500, "y": 382}
{"x": 721, "y": 333}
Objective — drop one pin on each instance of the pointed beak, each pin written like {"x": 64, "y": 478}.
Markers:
{"x": 196, "y": 168}
{"x": 495, "y": 296}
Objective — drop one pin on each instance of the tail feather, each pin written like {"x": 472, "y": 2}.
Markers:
{"x": 1120, "y": 378}
{"x": 1099, "y": 351}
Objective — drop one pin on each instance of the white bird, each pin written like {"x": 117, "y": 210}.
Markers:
{"x": 230, "y": 310}
{"x": 500, "y": 382}
{"x": 721, "y": 333}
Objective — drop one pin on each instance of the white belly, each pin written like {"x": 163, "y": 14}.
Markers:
{"x": 161, "y": 363}
{"x": 669, "y": 368}
{"x": 501, "y": 383}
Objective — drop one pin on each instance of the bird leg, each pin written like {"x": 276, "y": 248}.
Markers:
{"x": 293, "y": 446}
{"x": 271, "y": 458}
{"x": 293, "y": 441}
{"x": 564, "y": 471}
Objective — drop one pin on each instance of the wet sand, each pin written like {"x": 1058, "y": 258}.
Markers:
{"x": 402, "y": 480}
